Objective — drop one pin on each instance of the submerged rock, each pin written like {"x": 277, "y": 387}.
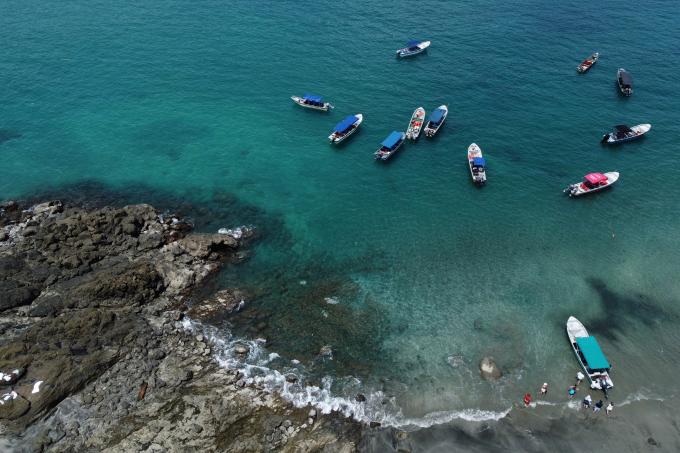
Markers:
{"x": 488, "y": 369}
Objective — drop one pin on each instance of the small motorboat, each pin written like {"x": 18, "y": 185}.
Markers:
{"x": 390, "y": 145}
{"x": 592, "y": 182}
{"x": 312, "y": 101}
{"x": 345, "y": 128}
{"x": 625, "y": 81}
{"x": 588, "y": 63}
{"x": 435, "y": 121}
{"x": 416, "y": 124}
{"x": 477, "y": 164}
{"x": 623, "y": 133}
{"x": 413, "y": 48}
{"x": 589, "y": 355}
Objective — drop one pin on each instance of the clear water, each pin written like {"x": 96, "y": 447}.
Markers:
{"x": 191, "y": 100}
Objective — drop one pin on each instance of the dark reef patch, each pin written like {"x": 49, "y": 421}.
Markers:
{"x": 8, "y": 134}
{"x": 169, "y": 137}
{"x": 621, "y": 309}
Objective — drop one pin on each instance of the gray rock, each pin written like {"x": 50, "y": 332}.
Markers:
{"x": 488, "y": 369}
{"x": 241, "y": 349}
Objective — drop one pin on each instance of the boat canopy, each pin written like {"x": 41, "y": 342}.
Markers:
{"x": 392, "y": 140}
{"x": 478, "y": 162}
{"x": 595, "y": 359}
{"x": 622, "y": 129}
{"x": 626, "y": 79}
{"x": 344, "y": 125}
{"x": 595, "y": 178}
{"x": 413, "y": 43}
{"x": 313, "y": 98}
{"x": 437, "y": 115}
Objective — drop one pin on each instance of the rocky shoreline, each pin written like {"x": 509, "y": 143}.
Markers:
{"x": 93, "y": 353}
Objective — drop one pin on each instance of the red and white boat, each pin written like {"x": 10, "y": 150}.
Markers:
{"x": 588, "y": 63}
{"x": 592, "y": 182}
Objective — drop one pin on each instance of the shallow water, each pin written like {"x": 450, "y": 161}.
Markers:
{"x": 429, "y": 273}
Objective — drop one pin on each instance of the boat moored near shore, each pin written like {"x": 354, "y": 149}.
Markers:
{"x": 312, "y": 101}
{"x": 435, "y": 121}
{"x": 345, "y": 128}
{"x": 625, "y": 81}
{"x": 390, "y": 145}
{"x": 588, "y": 63}
{"x": 477, "y": 164}
{"x": 416, "y": 124}
{"x": 623, "y": 133}
{"x": 589, "y": 355}
{"x": 592, "y": 182}
{"x": 413, "y": 48}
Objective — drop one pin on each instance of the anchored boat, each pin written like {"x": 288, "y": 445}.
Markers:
{"x": 416, "y": 124}
{"x": 436, "y": 120}
{"x": 312, "y": 101}
{"x": 592, "y": 182}
{"x": 588, "y": 63}
{"x": 413, "y": 48}
{"x": 345, "y": 128}
{"x": 390, "y": 145}
{"x": 625, "y": 81}
{"x": 477, "y": 164}
{"x": 623, "y": 133}
{"x": 589, "y": 355}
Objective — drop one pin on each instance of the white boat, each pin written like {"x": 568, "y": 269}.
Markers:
{"x": 477, "y": 164}
{"x": 312, "y": 101}
{"x": 589, "y": 355}
{"x": 623, "y": 133}
{"x": 390, "y": 145}
{"x": 416, "y": 124}
{"x": 592, "y": 182}
{"x": 413, "y": 48}
{"x": 435, "y": 121}
{"x": 345, "y": 128}
{"x": 588, "y": 63}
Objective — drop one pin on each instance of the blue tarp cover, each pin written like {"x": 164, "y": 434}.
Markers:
{"x": 591, "y": 351}
{"x": 345, "y": 124}
{"x": 313, "y": 98}
{"x": 392, "y": 140}
{"x": 478, "y": 162}
{"x": 437, "y": 116}
{"x": 412, "y": 43}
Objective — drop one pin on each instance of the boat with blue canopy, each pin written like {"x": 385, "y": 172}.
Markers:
{"x": 413, "y": 48}
{"x": 625, "y": 82}
{"x": 589, "y": 355}
{"x": 477, "y": 164}
{"x": 435, "y": 121}
{"x": 312, "y": 101}
{"x": 390, "y": 145}
{"x": 345, "y": 128}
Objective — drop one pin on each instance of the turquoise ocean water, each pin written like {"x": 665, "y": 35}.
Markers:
{"x": 409, "y": 272}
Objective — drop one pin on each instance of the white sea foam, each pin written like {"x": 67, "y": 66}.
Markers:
{"x": 331, "y": 300}
{"x": 638, "y": 396}
{"x": 376, "y": 407}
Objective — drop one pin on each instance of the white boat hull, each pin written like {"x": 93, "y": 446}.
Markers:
{"x": 577, "y": 330}
{"x": 415, "y": 126}
{"x": 640, "y": 130}
{"x": 430, "y": 129}
{"x": 301, "y": 102}
{"x": 407, "y": 52}
{"x": 473, "y": 152}
{"x": 336, "y": 139}
{"x": 576, "y": 190}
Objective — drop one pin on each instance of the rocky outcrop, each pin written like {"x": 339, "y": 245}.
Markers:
{"x": 488, "y": 369}
{"x": 89, "y": 322}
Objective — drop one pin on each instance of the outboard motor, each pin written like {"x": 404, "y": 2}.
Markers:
{"x": 604, "y": 138}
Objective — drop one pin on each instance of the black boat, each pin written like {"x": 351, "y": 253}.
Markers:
{"x": 625, "y": 82}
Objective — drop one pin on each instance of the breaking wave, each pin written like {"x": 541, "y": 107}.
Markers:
{"x": 290, "y": 385}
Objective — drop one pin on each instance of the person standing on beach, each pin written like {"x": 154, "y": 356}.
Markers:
{"x": 587, "y": 401}
{"x": 598, "y": 406}
{"x": 610, "y": 407}
{"x": 579, "y": 378}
